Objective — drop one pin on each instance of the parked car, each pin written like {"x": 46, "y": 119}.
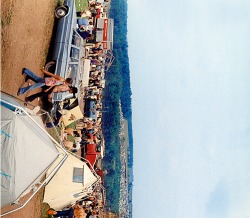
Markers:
{"x": 90, "y": 111}
{"x": 68, "y": 48}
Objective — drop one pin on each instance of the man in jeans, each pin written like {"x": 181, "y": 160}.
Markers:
{"x": 59, "y": 88}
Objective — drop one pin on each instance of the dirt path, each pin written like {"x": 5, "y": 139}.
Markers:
{"x": 26, "y": 34}
{"x": 26, "y": 29}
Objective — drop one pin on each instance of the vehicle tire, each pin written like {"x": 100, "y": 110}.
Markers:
{"x": 61, "y": 11}
{"x": 50, "y": 66}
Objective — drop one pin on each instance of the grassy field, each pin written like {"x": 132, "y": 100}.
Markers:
{"x": 81, "y": 5}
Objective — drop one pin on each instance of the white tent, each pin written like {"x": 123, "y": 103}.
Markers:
{"x": 72, "y": 182}
{"x": 27, "y": 151}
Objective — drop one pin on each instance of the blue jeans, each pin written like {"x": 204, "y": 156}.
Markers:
{"x": 68, "y": 213}
{"x": 39, "y": 82}
{"x": 37, "y": 95}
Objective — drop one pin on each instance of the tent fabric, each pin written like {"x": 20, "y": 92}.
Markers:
{"x": 26, "y": 153}
{"x": 76, "y": 111}
{"x": 62, "y": 191}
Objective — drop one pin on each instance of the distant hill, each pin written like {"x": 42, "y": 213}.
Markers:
{"x": 117, "y": 90}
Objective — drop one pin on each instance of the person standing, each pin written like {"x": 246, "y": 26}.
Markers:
{"x": 59, "y": 88}
{"x": 51, "y": 81}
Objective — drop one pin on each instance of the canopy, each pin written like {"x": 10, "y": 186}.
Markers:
{"x": 27, "y": 151}
{"x": 76, "y": 111}
{"x": 71, "y": 183}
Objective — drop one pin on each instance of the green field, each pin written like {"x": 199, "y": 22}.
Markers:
{"x": 81, "y": 5}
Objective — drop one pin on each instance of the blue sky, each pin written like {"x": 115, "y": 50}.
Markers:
{"x": 190, "y": 75}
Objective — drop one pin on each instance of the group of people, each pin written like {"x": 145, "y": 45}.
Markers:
{"x": 52, "y": 82}
{"x": 85, "y": 25}
{"x": 86, "y": 207}
{"x": 72, "y": 139}
{"x": 90, "y": 132}
{"x": 96, "y": 77}
{"x": 86, "y": 19}
{"x": 85, "y": 28}
{"x": 85, "y": 132}
{"x": 90, "y": 205}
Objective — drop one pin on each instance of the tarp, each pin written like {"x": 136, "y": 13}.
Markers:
{"x": 26, "y": 153}
{"x": 63, "y": 190}
{"x": 76, "y": 111}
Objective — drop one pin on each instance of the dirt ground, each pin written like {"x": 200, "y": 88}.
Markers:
{"x": 26, "y": 34}
{"x": 26, "y": 30}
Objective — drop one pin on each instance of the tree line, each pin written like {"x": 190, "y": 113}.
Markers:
{"x": 117, "y": 90}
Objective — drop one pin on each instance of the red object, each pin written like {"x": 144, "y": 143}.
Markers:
{"x": 91, "y": 158}
{"x": 91, "y": 149}
{"x": 91, "y": 153}
{"x": 99, "y": 172}
{"x": 105, "y": 45}
{"x": 105, "y": 30}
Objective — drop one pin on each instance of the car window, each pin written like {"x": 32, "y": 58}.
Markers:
{"x": 74, "y": 54}
{"x": 76, "y": 40}
{"x": 72, "y": 71}
{"x": 78, "y": 175}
